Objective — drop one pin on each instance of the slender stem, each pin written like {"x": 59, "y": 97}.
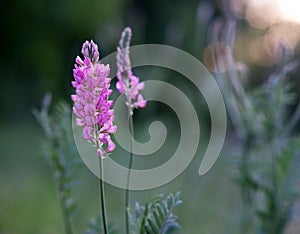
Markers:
{"x": 101, "y": 184}
{"x": 102, "y": 198}
{"x": 127, "y": 198}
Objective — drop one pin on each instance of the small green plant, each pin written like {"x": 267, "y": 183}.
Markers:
{"x": 156, "y": 216}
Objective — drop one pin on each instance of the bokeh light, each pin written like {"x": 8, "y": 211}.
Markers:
{"x": 289, "y": 10}
{"x": 261, "y": 13}
{"x": 274, "y": 24}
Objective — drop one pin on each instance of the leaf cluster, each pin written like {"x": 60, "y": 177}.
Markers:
{"x": 156, "y": 216}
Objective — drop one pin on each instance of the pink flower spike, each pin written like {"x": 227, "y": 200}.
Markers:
{"x": 91, "y": 104}
{"x": 128, "y": 83}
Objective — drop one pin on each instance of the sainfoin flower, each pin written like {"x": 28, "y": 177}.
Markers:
{"x": 128, "y": 83}
{"x": 91, "y": 104}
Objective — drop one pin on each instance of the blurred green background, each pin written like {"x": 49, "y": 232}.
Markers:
{"x": 40, "y": 40}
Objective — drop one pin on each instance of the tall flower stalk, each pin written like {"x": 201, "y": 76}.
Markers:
{"x": 130, "y": 85}
{"x": 93, "y": 108}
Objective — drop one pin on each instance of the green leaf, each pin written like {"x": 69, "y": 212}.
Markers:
{"x": 153, "y": 225}
{"x": 156, "y": 216}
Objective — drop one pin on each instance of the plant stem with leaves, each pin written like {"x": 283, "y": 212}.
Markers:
{"x": 130, "y": 85}
{"x": 92, "y": 107}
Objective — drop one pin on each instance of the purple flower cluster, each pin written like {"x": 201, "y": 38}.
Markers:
{"x": 91, "y": 104}
{"x": 128, "y": 83}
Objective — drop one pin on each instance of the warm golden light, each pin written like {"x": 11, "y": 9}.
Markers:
{"x": 289, "y": 10}
{"x": 273, "y": 10}
{"x": 278, "y": 24}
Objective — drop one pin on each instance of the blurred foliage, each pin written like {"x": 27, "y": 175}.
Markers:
{"x": 269, "y": 159}
{"x": 264, "y": 119}
{"x": 60, "y": 151}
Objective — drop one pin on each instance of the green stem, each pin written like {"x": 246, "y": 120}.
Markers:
{"x": 102, "y": 198}
{"x": 127, "y": 198}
